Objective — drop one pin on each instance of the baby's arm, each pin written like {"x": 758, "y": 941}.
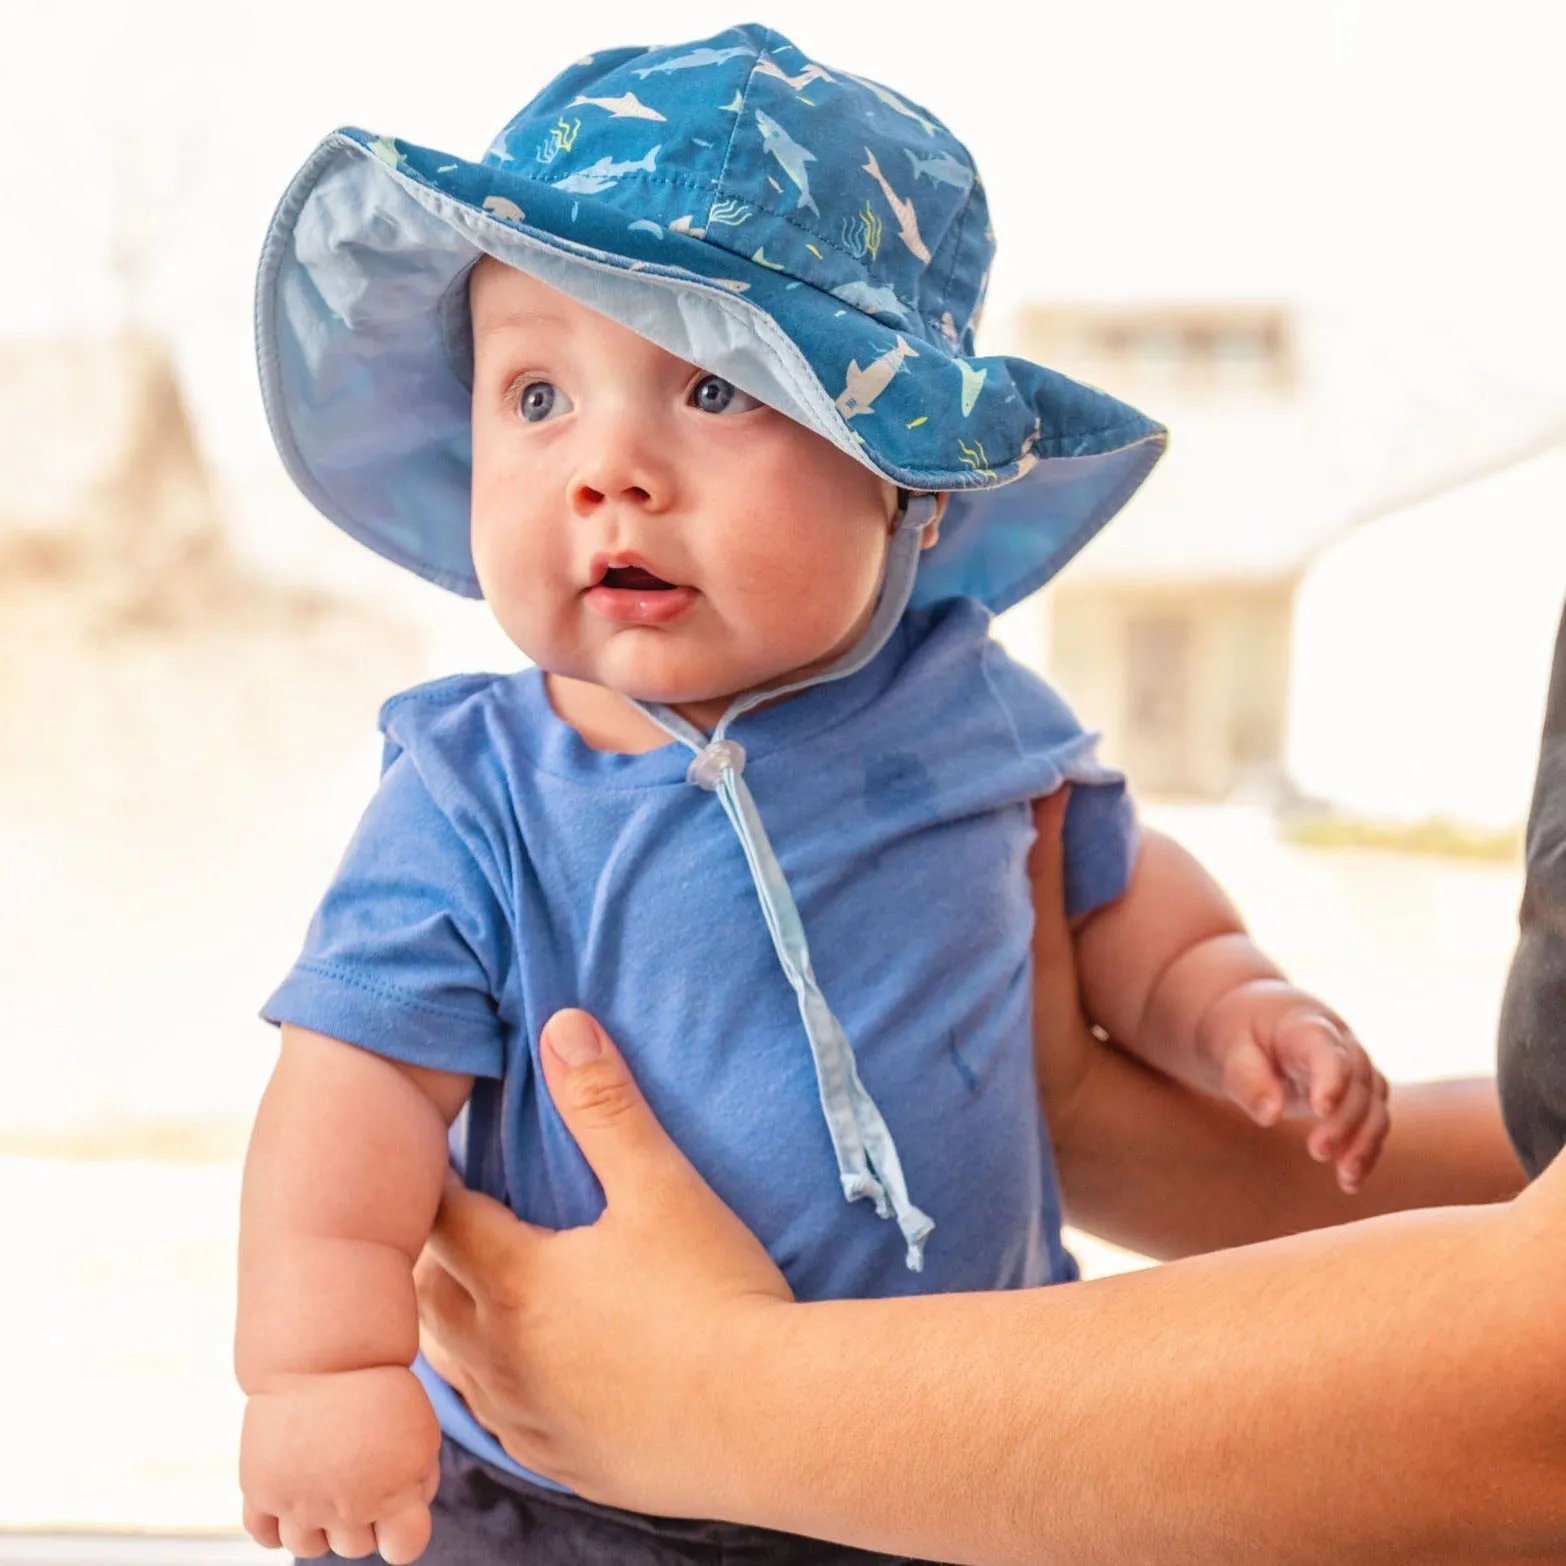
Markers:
{"x": 342, "y": 1180}
{"x": 1170, "y": 973}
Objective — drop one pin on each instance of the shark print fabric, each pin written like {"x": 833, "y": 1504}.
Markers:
{"x": 829, "y": 240}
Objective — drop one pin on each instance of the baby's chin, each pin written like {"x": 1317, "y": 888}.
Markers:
{"x": 648, "y": 669}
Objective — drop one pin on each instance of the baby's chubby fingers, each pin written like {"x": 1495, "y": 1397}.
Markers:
{"x": 262, "y": 1527}
{"x": 405, "y": 1535}
{"x": 1357, "y": 1154}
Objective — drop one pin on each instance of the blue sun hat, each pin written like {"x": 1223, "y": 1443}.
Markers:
{"x": 803, "y": 232}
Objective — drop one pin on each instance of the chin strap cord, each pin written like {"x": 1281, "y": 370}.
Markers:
{"x": 867, "y": 1161}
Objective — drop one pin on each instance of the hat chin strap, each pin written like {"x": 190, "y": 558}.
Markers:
{"x": 867, "y": 1161}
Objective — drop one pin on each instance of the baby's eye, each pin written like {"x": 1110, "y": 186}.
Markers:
{"x": 542, "y": 400}
{"x": 713, "y": 394}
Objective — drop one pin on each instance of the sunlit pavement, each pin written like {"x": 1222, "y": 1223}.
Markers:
{"x": 120, "y": 1410}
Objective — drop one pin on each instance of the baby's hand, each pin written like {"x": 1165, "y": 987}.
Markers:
{"x": 347, "y": 1461}
{"x": 1280, "y": 1051}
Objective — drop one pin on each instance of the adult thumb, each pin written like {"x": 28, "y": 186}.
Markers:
{"x": 597, "y": 1097}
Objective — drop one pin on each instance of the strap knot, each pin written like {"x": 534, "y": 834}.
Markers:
{"x": 708, "y": 766}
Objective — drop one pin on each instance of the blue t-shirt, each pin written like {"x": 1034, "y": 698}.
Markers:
{"x": 505, "y": 870}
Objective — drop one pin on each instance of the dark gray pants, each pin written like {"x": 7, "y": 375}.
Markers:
{"x": 484, "y": 1516}
{"x": 1532, "y": 1064}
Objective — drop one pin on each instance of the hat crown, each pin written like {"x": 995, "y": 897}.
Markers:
{"x": 742, "y": 141}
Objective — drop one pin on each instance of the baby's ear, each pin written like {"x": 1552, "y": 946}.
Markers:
{"x": 932, "y": 532}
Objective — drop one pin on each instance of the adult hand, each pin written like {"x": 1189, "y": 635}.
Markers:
{"x": 624, "y": 1314}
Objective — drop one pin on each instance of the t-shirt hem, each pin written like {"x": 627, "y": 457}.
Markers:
{"x": 362, "y": 1011}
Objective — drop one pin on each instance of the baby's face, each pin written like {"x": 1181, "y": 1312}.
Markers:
{"x": 647, "y": 526}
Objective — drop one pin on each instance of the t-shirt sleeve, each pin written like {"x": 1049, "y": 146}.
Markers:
{"x": 1101, "y": 833}
{"x": 405, "y": 954}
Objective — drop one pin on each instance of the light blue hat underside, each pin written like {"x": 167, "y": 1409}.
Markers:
{"x": 361, "y": 334}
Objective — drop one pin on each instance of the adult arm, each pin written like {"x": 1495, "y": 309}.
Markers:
{"x": 1153, "y": 1166}
{"x": 1533, "y": 1017}
{"x": 1391, "y": 1391}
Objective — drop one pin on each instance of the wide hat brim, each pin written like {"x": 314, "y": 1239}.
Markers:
{"x": 364, "y": 355}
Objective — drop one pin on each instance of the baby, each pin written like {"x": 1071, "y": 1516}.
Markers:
{"x": 680, "y": 377}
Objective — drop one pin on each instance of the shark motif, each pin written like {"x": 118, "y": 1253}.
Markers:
{"x": 692, "y": 61}
{"x": 682, "y": 225}
{"x": 942, "y": 167}
{"x": 903, "y": 211}
{"x": 873, "y": 301}
{"x": 387, "y": 150}
{"x": 760, "y": 258}
{"x": 600, "y": 176}
{"x": 972, "y": 385}
{"x": 647, "y": 226}
{"x": 864, "y": 386}
{"x": 626, "y": 107}
{"x": 949, "y": 328}
{"x": 811, "y": 73}
{"x": 791, "y": 157}
{"x": 892, "y": 101}
{"x": 734, "y": 105}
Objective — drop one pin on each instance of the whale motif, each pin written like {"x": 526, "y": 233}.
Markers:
{"x": 903, "y": 211}
{"x": 942, "y": 167}
{"x": 600, "y": 176}
{"x": 972, "y": 385}
{"x": 626, "y": 107}
{"x": 892, "y": 101}
{"x": 862, "y": 387}
{"x": 811, "y": 73}
{"x": 873, "y": 301}
{"x": 791, "y": 157}
{"x": 692, "y": 61}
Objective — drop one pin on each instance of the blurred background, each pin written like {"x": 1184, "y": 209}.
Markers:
{"x": 1321, "y": 243}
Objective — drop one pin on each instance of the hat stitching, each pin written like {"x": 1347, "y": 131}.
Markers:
{"x": 719, "y": 188}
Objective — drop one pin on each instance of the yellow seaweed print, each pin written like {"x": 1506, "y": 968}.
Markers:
{"x": 562, "y": 138}
{"x": 973, "y": 458}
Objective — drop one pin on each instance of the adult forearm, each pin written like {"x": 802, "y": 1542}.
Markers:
{"x": 1168, "y": 1172}
{"x": 1393, "y": 1394}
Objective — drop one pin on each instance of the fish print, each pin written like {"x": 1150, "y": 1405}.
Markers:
{"x": 942, "y": 167}
{"x": 791, "y": 157}
{"x": 949, "y": 328}
{"x": 892, "y": 101}
{"x": 760, "y": 258}
{"x": 626, "y": 107}
{"x": 903, "y": 211}
{"x": 873, "y": 301}
{"x": 682, "y": 225}
{"x": 972, "y": 385}
{"x": 387, "y": 150}
{"x": 862, "y": 387}
{"x": 811, "y": 73}
{"x": 647, "y": 226}
{"x": 693, "y": 61}
{"x": 600, "y": 176}
{"x": 734, "y": 105}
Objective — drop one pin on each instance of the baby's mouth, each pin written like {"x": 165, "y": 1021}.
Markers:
{"x": 634, "y": 579}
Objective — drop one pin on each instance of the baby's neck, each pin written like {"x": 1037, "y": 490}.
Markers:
{"x": 606, "y": 720}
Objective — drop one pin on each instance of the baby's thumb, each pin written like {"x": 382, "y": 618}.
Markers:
{"x": 603, "y": 1108}
{"x": 1250, "y": 1080}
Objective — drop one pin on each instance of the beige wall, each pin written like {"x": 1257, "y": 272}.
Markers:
{"x": 1189, "y": 684}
